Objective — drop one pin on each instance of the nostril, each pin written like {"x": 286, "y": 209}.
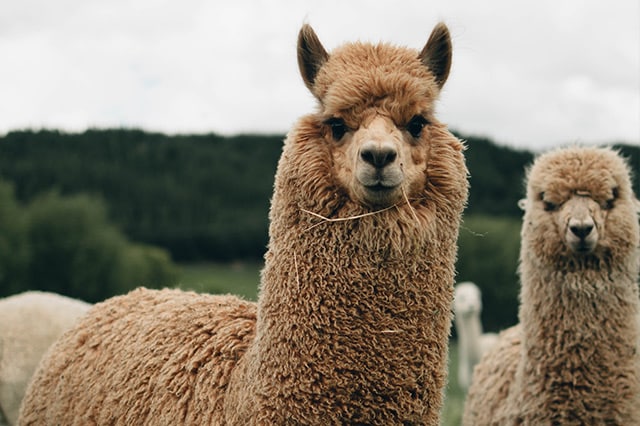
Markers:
{"x": 378, "y": 157}
{"x": 581, "y": 231}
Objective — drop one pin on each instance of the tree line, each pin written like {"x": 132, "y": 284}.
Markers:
{"x": 206, "y": 197}
{"x": 67, "y": 245}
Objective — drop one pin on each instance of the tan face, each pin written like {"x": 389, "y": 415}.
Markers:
{"x": 379, "y": 164}
{"x": 580, "y": 207}
{"x": 376, "y": 107}
{"x": 579, "y": 217}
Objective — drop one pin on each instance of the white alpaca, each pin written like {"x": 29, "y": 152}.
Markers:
{"x": 29, "y": 323}
{"x": 472, "y": 342}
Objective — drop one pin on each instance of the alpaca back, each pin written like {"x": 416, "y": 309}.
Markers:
{"x": 149, "y": 357}
{"x": 30, "y": 323}
{"x": 492, "y": 380}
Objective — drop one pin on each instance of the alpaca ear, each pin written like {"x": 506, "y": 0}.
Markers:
{"x": 436, "y": 54}
{"x": 522, "y": 203}
{"x": 311, "y": 55}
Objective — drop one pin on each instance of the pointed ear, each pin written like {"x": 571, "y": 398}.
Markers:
{"x": 436, "y": 54}
{"x": 311, "y": 55}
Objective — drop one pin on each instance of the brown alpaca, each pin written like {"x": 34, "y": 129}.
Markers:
{"x": 573, "y": 359}
{"x": 353, "y": 316}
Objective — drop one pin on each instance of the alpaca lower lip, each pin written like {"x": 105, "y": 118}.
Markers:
{"x": 583, "y": 248}
{"x": 379, "y": 187}
{"x": 380, "y": 195}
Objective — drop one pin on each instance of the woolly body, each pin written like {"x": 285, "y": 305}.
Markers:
{"x": 573, "y": 358}
{"x": 353, "y": 315}
{"x": 472, "y": 342}
{"x": 29, "y": 323}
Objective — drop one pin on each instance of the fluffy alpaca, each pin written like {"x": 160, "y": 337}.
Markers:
{"x": 573, "y": 358}
{"x": 353, "y": 316}
{"x": 472, "y": 342}
{"x": 29, "y": 323}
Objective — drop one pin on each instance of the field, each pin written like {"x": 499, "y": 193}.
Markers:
{"x": 242, "y": 279}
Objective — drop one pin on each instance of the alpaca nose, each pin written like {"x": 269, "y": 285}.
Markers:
{"x": 377, "y": 155}
{"x": 581, "y": 230}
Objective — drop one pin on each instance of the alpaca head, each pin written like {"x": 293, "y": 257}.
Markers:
{"x": 376, "y": 112}
{"x": 467, "y": 300}
{"x": 580, "y": 208}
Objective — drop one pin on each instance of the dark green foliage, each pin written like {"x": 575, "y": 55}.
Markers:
{"x": 496, "y": 177}
{"x": 488, "y": 255}
{"x": 200, "y": 196}
{"x": 14, "y": 252}
{"x": 66, "y": 245}
{"x": 206, "y": 197}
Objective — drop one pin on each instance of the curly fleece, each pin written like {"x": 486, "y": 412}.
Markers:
{"x": 353, "y": 316}
{"x": 573, "y": 359}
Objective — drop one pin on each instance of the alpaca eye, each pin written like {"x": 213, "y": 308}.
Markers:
{"x": 338, "y": 127}
{"x": 548, "y": 205}
{"x": 415, "y": 125}
{"x": 608, "y": 205}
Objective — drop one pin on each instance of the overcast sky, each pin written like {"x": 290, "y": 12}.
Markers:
{"x": 531, "y": 74}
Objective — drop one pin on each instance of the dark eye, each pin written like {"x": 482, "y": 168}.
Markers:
{"x": 548, "y": 205}
{"x": 415, "y": 125}
{"x": 338, "y": 127}
{"x": 608, "y": 205}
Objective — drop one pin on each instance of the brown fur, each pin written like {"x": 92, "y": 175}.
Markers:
{"x": 355, "y": 300}
{"x": 573, "y": 359}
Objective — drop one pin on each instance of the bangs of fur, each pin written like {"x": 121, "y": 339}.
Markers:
{"x": 360, "y": 76}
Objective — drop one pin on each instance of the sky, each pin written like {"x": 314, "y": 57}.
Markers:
{"x": 527, "y": 74}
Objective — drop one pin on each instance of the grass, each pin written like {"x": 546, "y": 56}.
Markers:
{"x": 237, "y": 278}
{"x": 242, "y": 279}
{"x": 454, "y": 395}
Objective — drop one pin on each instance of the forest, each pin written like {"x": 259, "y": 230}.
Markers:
{"x": 187, "y": 198}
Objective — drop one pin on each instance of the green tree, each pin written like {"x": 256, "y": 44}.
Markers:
{"x": 75, "y": 251}
{"x": 488, "y": 255}
{"x": 14, "y": 253}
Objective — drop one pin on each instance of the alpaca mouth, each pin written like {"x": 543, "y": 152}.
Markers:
{"x": 380, "y": 187}
{"x": 380, "y": 194}
{"x": 582, "y": 247}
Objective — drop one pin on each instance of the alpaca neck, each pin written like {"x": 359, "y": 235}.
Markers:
{"x": 354, "y": 311}
{"x": 469, "y": 329}
{"x": 580, "y": 333}
{"x": 344, "y": 327}
{"x": 581, "y": 309}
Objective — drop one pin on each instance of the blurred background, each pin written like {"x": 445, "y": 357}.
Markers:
{"x": 139, "y": 139}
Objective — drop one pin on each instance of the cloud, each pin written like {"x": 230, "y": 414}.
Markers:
{"x": 528, "y": 74}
